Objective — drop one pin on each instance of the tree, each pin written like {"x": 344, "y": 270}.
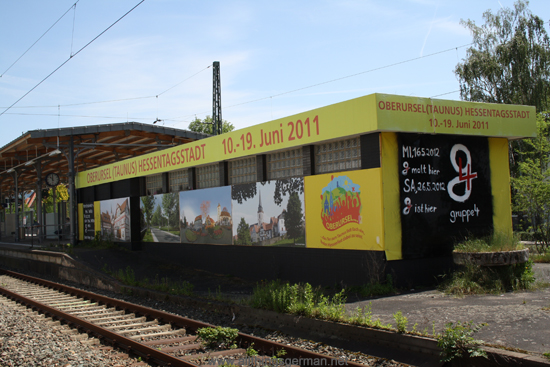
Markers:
{"x": 243, "y": 233}
{"x": 170, "y": 208}
{"x": 509, "y": 61}
{"x": 294, "y": 218}
{"x": 61, "y": 194}
{"x": 205, "y": 126}
{"x": 157, "y": 217}
{"x": 148, "y": 206}
{"x": 532, "y": 186}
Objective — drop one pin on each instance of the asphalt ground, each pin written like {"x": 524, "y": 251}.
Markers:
{"x": 516, "y": 320}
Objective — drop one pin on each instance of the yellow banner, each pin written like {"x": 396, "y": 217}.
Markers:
{"x": 344, "y": 210}
{"x": 375, "y": 112}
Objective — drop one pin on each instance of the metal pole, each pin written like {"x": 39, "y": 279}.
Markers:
{"x": 38, "y": 167}
{"x": 16, "y": 207}
{"x": 72, "y": 198}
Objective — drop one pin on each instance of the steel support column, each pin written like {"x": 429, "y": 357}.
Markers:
{"x": 72, "y": 199}
{"x": 16, "y": 238}
{"x": 38, "y": 167}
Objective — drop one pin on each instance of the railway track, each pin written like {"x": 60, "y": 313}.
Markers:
{"x": 157, "y": 337}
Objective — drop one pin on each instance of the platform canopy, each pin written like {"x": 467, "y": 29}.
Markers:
{"x": 93, "y": 146}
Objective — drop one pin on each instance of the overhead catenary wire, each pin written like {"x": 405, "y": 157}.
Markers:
{"x": 70, "y": 58}
{"x": 39, "y": 38}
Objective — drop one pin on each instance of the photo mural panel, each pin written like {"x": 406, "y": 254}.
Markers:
{"x": 270, "y": 213}
{"x": 160, "y": 218}
{"x": 445, "y": 192}
{"x": 115, "y": 219}
{"x": 205, "y": 216}
{"x": 345, "y": 210}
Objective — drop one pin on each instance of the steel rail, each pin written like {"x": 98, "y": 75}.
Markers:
{"x": 292, "y": 353}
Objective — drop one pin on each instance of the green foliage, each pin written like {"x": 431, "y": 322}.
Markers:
{"x": 401, "y": 322}
{"x": 218, "y": 337}
{"x": 542, "y": 256}
{"x": 496, "y": 242}
{"x": 61, "y": 194}
{"x": 170, "y": 209}
{"x": 509, "y": 61}
{"x": 243, "y": 233}
{"x": 363, "y": 317}
{"x": 205, "y": 125}
{"x": 294, "y": 217}
{"x": 547, "y": 355}
{"x": 374, "y": 288}
{"x": 147, "y": 209}
{"x": 475, "y": 279}
{"x": 532, "y": 184}
{"x": 456, "y": 341}
{"x": 250, "y": 351}
{"x": 299, "y": 299}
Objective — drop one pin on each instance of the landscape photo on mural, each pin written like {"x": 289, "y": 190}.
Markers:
{"x": 445, "y": 191}
{"x": 160, "y": 218}
{"x": 205, "y": 216}
{"x": 115, "y": 219}
{"x": 270, "y": 213}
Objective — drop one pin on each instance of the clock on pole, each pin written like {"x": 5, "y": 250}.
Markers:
{"x": 52, "y": 179}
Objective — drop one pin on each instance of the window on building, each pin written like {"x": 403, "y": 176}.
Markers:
{"x": 208, "y": 176}
{"x": 153, "y": 184}
{"x": 338, "y": 156}
{"x": 285, "y": 164}
{"x": 242, "y": 171}
{"x": 178, "y": 180}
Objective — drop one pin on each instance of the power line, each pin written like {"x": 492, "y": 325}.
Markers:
{"x": 76, "y": 53}
{"x": 35, "y": 42}
{"x": 444, "y": 94}
{"x": 352, "y": 75}
{"x": 116, "y": 100}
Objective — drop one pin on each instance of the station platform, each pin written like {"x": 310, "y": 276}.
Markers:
{"x": 516, "y": 320}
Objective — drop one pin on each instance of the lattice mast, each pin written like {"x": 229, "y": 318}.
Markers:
{"x": 216, "y": 100}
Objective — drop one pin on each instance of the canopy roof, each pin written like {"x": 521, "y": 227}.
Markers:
{"x": 94, "y": 146}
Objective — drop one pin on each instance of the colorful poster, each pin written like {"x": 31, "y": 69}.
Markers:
{"x": 445, "y": 192}
{"x": 205, "y": 216}
{"x": 160, "y": 218}
{"x": 270, "y": 213}
{"x": 115, "y": 219}
{"x": 345, "y": 210}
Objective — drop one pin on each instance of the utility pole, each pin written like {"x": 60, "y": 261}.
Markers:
{"x": 216, "y": 100}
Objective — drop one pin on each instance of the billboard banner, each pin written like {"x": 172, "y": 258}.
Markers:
{"x": 345, "y": 210}
{"x": 375, "y": 112}
{"x": 160, "y": 218}
{"x": 270, "y": 213}
{"x": 205, "y": 216}
{"x": 445, "y": 191}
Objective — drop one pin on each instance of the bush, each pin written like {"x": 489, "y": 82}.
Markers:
{"x": 457, "y": 341}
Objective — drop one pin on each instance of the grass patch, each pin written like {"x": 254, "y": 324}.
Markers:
{"x": 475, "y": 279}
{"x": 127, "y": 276}
{"x": 374, "y": 289}
{"x": 494, "y": 243}
{"x": 299, "y": 299}
{"x": 148, "y": 236}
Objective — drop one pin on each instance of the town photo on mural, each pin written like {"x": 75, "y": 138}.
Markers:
{"x": 205, "y": 216}
{"x": 269, "y": 213}
{"x": 115, "y": 219}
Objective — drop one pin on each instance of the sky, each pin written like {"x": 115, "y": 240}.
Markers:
{"x": 277, "y": 58}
